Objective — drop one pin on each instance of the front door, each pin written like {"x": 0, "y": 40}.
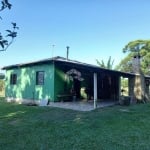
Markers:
{"x": 77, "y": 87}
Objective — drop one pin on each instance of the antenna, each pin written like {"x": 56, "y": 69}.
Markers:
{"x": 67, "y": 51}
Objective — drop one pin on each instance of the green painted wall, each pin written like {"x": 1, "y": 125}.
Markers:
{"x": 62, "y": 83}
{"x": 26, "y": 87}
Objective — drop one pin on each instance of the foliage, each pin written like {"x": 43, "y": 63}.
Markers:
{"x": 5, "y": 4}
{"x": 2, "y": 88}
{"x": 117, "y": 127}
{"x": 7, "y": 40}
{"x": 139, "y": 48}
{"x": 124, "y": 82}
{"x": 125, "y": 64}
{"x": 124, "y": 86}
{"x": 1, "y": 85}
{"x": 109, "y": 64}
{"x": 137, "y": 45}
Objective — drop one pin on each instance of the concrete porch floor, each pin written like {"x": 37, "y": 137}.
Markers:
{"x": 81, "y": 105}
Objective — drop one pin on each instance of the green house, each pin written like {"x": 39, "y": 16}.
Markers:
{"x": 61, "y": 79}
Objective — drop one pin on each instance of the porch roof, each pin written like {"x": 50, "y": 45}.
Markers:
{"x": 70, "y": 63}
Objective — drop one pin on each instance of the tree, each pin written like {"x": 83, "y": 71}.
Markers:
{"x": 2, "y": 84}
{"x": 7, "y": 40}
{"x": 140, "y": 48}
{"x": 109, "y": 64}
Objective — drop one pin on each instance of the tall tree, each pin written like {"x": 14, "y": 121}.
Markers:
{"x": 108, "y": 65}
{"x": 140, "y": 48}
{"x": 7, "y": 40}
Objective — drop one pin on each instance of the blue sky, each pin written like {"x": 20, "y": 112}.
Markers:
{"x": 94, "y": 29}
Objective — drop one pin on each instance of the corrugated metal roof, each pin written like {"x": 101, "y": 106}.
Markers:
{"x": 33, "y": 62}
{"x": 64, "y": 60}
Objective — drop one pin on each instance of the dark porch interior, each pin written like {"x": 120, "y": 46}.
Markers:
{"x": 107, "y": 82}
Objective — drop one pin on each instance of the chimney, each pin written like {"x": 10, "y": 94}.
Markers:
{"x": 67, "y": 52}
{"x": 136, "y": 64}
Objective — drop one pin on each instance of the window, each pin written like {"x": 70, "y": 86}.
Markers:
{"x": 13, "y": 79}
{"x": 40, "y": 78}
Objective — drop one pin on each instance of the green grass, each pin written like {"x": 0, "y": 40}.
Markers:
{"x": 46, "y": 128}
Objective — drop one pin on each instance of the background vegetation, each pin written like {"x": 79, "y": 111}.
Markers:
{"x": 139, "y": 48}
{"x": 2, "y": 88}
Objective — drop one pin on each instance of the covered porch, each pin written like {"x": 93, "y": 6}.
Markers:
{"x": 97, "y": 84}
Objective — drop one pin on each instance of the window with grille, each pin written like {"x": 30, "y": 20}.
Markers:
{"x": 40, "y": 78}
{"x": 13, "y": 79}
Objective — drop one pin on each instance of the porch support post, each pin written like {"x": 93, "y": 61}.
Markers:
{"x": 95, "y": 90}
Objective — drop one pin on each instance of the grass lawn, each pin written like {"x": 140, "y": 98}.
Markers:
{"x": 46, "y": 128}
